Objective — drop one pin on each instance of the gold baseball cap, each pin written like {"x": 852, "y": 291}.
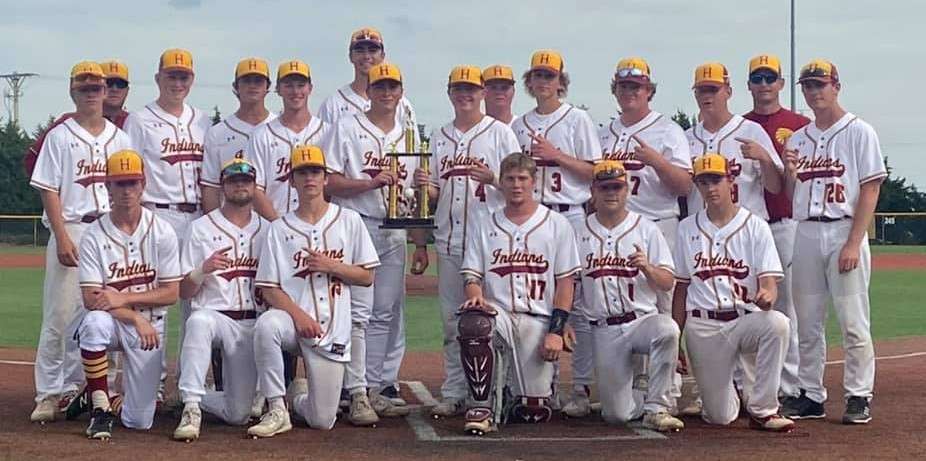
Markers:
{"x": 633, "y": 69}
{"x": 385, "y": 71}
{"x": 125, "y": 165}
{"x": 606, "y": 171}
{"x": 820, "y": 70}
{"x": 711, "y": 74}
{"x": 294, "y": 67}
{"x": 238, "y": 167}
{"x": 252, "y": 66}
{"x": 87, "y": 73}
{"x": 115, "y": 69}
{"x": 305, "y": 156}
{"x": 498, "y": 72}
{"x": 366, "y": 35}
{"x": 710, "y": 163}
{"x": 547, "y": 59}
{"x": 176, "y": 59}
{"x": 466, "y": 74}
{"x": 765, "y": 61}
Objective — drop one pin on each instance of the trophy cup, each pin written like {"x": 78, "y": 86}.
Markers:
{"x": 417, "y": 213}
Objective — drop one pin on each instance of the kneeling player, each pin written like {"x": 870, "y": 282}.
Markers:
{"x": 519, "y": 271}
{"x": 129, "y": 272}
{"x": 312, "y": 257}
{"x": 626, "y": 265}
{"x": 727, "y": 271}
{"x": 220, "y": 261}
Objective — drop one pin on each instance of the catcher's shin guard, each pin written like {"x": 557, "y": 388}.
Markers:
{"x": 530, "y": 410}
{"x": 476, "y": 352}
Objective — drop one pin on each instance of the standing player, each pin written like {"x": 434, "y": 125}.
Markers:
{"x": 835, "y": 171}
{"x": 519, "y": 270}
{"x": 313, "y": 259}
{"x": 272, "y": 143}
{"x": 499, "y": 83}
{"x": 626, "y": 262}
{"x": 219, "y": 263}
{"x": 360, "y": 173}
{"x": 466, "y": 154}
{"x": 69, "y": 176}
{"x": 229, "y": 138}
{"x": 765, "y": 84}
{"x": 564, "y": 141}
{"x": 129, "y": 275}
{"x": 727, "y": 271}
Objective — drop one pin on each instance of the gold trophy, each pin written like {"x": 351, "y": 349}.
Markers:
{"x": 417, "y": 212}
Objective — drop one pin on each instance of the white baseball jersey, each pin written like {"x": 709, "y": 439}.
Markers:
{"x": 572, "y": 131}
{"x": 464, "y": 201}
{"x": 519, "y": 265}
{"x": 271, "y": 146}
{"x": 648, "y": 195}
{"x": 345, "y": 102}
{"x": 232, "y": 288}
{"x": 341, "y": 235}
{"x": 357, "y": 149}
{"x": 73, "y": 164}
{"x": 224, "y": 141}
{"x": 723, "y": 265}
{"x": 172, "y": 149}
{"x": 109, "y": 258}
{"x": 748, "y": 190}
{"x": 831, "y": 166}
{"x": 610, "y": 285}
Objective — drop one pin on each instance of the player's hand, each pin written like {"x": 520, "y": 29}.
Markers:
{"x": 67, "y": 251}
{"x": 420, "y": 260}
{"x": 320, "y": 262}
{"x": 569, "y": 338}
{"x": 147, "y": 335}
{"x": 552, "y": 346}
{"x": 639, "y": 260}
{"x": 543, "y": 149}
{"x": 752, "y": 150}
{"x": 422, "y": 178}
{"x": 385, "y": 178}
{"x": 107, "y": 299}
{"x": 480, "y": 172}
{"x": 217, "y": 261}
{"x": 477, "y": 303}
{"x": 681, "y": 367}
{"x": 763, "y": 299}
{"x": 848, "y": 258}
{"x": 306, "y": 326}
{"x": 790, "y": 161}
{"x": 644, "y": 153}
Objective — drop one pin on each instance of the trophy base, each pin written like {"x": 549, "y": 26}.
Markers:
{"x": 408, "y": 223}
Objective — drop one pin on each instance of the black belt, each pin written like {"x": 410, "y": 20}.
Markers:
{"x": 723, "y": 316}
{"x": 615, "y": 320}
{"x": 560, "y": 207}
{"x": 240, "y": 315}
{"x": 89, "y": 218}
{"x": 775, "y": 220}
{"x": 182, "y": 207}
{"x": 826, "y": 219}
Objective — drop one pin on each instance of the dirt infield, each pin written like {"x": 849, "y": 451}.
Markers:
{"x": 898, "y": 404}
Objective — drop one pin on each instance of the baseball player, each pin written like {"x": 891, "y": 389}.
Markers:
{"x": 219, "y": 263}
{"x": 745, "y": 145}
{"x": 272, "y": 143}
{"x": 467, "y": 152}
{"x": 314, "y": 257}
{"x": 765, "y": 84}
{"x": 564, "y": 141}
{"x": 518, "y": 269}
{"x": 499, "y": 83}
{"x": 835, "y": 171}
{"x": 69, "y": 176}
{"x": 229, "y": 138}
{"x": 727, "y": 271}
{"x": 129, "y": 276}
{"x": 360, "y": 172}
{"x": 625, "y": 263}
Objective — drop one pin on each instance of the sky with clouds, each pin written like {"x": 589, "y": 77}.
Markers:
{"x": 872, "y": 42}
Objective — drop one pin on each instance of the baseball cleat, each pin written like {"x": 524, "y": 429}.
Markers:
{"x": 448, "y": 407}
{"x": 391, "y": 392}
{"x": 803, "y": 407}
{"x": 101, "y": 424}
{"x": 385, "y": 408}
{"x": 190, "y": 422}
{"x": 662, "y": 422}
{"x": 579, "y": 406}
{"x": 76, "y": 406}
{"x": 858, "y": 411}
{"x": 693, "y": 408}
{"x": 361, "y": 412}
{"x": 479, "y": 421}
{"x": 44, "y": 411}
{"x": 273, "y": 422}
{"x": 771, "y": 423}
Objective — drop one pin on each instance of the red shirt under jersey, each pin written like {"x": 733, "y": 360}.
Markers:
{"x": 779, "y": 205}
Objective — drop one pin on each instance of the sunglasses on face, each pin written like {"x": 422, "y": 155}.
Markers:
{"x": 630, "y": 72}
{"x": 366, "y": 49}
{"x": 758, "y": 79}
{"x": 813, "y": 84}
{"x": 543, "y": 75}
{"x": 90, "y": 89}
{"x": 117, "y": 83}
{"x": 612, "y": 187}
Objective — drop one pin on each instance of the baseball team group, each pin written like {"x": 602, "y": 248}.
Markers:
{"x": 646, "y": 251}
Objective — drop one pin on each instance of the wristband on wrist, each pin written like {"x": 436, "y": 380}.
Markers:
{"x": 558, "y": 321}
{"x": 197, "y": 276}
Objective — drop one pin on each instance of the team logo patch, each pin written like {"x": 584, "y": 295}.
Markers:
{"x": 301, "y": 260}
{"x": 134, "y": 274}
{"x": 519, "y": 262}
{"x": 181, "y": 151}
{"x": 627, "y": 158}
{"x": 808, "y": 169}
{"x": 608, "y": 266}
{"x": 719, "y": 266}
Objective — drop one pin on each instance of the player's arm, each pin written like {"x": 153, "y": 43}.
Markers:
{"x": 420, "y": 260}
{"x": 67, "y": 250}
{"x": 149, "y": 337}
{"x": 193, "y": 281}
{"x": 263, "y": 206}
{"x": 768, "y": 292}
{"x": 544, "y": 149}
{"x": 107, "y": 299}
{"x": 341, "y": 186}
{"x": 679, "y": 301}
{"x": 861, "y": 219}
{"x": 351, "y": 274}
{"x": 658, "y": 277}
{"x": 675, "y": 178}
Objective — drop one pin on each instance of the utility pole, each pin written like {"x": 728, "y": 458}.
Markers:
{"x": 792, "y": 82}
{"x": 15, "y": 80}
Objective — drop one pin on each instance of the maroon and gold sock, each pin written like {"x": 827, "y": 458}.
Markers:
{"x": 96, "y": 365}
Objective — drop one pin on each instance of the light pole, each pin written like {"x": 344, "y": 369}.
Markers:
{"x": 791, "y": 82}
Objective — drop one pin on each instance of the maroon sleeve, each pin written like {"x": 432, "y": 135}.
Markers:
{"x": 32, "y": 154}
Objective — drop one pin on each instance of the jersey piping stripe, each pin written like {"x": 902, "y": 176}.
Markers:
{"x": 543, "y": 177}
{"x": 826, "y": 152}
{"x": 510, "y": 250}
{"x": 726, "y": 253}
{"x": 141, "y": 245}
{"x": 331, "y": 300}
{"x": 177, "y": 139}
{"x": 230, "y": 127}
{"x": 234, "y": 242}
{"x": 379, "y": 150}
{"x": 347, "y": 100}
{"x": 96, "y": 202}
{"x": 469, "y": 149}
{"x": 311, "y": 281}
{"x": 526, "y": 238}
{"x": 710, "y": 254}
{"x": 604, "y": 287}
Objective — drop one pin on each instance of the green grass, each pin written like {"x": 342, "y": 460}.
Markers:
{"x": 898, "y": 249}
